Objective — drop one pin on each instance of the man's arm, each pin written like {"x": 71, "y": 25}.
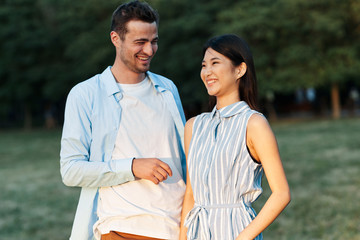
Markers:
{"x": 75, "y": 167}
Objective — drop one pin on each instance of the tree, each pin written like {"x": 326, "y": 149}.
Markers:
{"x": 48, "y": 46}
{"x": 24, "y": 40}
{"x": 184, "y": 27}
{"x": 299, "y": 43}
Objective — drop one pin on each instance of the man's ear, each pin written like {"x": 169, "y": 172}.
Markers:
{"x": 115, "y": 38}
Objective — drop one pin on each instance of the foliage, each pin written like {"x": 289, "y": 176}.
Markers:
{"x": 184, "y": 28}
{"x": 23, "y": 49}
{"x": 47, "y": 46}
{"x": 299, "y": 43}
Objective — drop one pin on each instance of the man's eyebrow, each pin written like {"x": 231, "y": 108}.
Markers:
{"x": 146, "y": 39}
{"x": 141, "y": 40}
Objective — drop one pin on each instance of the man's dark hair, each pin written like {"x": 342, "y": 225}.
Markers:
{"x": 134, "y": 10}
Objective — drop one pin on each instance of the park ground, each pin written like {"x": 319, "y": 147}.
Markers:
{"x": 321, "y": 159}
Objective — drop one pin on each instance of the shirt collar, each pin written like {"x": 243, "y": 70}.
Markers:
{"x": 109, "y": 81}
{"x": 158, "y": 84}
{"x": 230, "y": 110}
{"x": 112, "y": 88}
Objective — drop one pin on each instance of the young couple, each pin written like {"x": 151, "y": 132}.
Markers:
{"x": 124, "y": 143}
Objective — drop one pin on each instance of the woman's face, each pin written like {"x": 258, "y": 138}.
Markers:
{"x": 220, "y": 76}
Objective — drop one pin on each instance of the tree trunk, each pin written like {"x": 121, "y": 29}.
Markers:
{"x": 335, "y": 101}
{"x": 272, "y": 115}
{"x": 27, "y": 117}
{"x": 269, "y": 106}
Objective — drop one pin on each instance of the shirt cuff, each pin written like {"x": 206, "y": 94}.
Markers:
{"x": 123, "y": 169}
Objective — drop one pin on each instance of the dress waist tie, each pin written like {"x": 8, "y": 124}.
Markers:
{"x": 198, "y": 218}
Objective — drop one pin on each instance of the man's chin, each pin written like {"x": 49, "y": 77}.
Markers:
{"x": 143, "y": 69}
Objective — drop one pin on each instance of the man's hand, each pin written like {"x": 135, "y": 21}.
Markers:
{"x": 151, "y": 169}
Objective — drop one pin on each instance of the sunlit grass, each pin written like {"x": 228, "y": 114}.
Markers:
{"x": 322, "y": 163}
{"x": 34, "y": 202}
{"x": 321, "y": 159}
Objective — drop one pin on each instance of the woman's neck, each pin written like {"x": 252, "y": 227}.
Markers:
{"x": 226, "y": 100}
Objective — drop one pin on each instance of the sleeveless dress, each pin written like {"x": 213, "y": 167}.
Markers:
{"x": 224, "y": 177}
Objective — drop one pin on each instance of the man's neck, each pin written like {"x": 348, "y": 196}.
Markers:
{"x": 126, "y": 76}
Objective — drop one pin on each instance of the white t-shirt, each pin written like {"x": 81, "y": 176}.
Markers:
{"x": 141, "y": 207}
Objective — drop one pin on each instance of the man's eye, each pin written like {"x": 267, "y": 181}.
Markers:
{"x": 140, "y": 43}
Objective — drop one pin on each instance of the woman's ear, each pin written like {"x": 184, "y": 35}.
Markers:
{"x": 241, "y": 70}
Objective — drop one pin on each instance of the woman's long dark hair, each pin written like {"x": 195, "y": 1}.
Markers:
{"x": 238, "y": 51}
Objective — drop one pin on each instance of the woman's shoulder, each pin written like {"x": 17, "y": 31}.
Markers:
{"x": 257, "y": 120}
{"x": 257, "y": 125}
{"x": 189, "y": 123}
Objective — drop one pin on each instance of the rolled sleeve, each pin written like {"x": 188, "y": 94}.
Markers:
{"x": 83, "y": 161}
{"x": 123, "y": 169}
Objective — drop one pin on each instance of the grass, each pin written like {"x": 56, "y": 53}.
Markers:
{"x": 34, "y": 202}
{"x": 321, "y": 160}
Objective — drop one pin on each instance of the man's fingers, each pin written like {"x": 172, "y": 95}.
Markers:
{"x": 161, "y": 174}
{"x": 166, "y": 168}
{"x": 152, "y": 169}
{"x": 154, "y": 180}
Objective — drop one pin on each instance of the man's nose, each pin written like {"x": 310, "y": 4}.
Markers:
{"x": 148, "y": 49}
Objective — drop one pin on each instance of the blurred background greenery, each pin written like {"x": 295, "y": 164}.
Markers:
{"x": 307, "y": 56}
{"x": 307, "y": 53}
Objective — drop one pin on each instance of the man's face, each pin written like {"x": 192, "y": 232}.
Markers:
{"x": 139, "y": 45}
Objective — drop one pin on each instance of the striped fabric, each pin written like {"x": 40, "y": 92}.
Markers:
{"x": 224, "y": 178}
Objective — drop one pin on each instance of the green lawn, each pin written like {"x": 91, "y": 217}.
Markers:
{"x": 321, "y": 159}
{"x": 322, "y": 164}
{"x": 34, "y": 204}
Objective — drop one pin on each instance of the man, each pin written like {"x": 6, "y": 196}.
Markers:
{"x": 122, "y": 140}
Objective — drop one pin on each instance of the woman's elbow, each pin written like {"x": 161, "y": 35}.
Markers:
{"x": 283, "y": 197}
{"x": 286, "y": 196}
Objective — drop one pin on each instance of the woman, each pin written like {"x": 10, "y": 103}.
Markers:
{"x": 228, "y": 149}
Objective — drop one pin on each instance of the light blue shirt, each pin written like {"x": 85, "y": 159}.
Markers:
{"x": 92, "y": 119}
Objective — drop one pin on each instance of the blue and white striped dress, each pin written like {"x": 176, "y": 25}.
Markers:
{"x": 224, "y": 178}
